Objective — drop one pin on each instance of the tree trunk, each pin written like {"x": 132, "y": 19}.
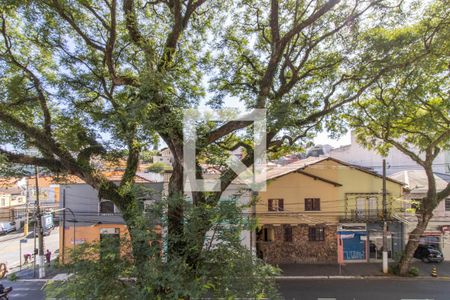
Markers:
{"x": 176, "y": 212}
{"x": 413, "y": 243}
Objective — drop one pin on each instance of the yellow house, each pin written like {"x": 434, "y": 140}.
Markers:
{"x": 325, "y": 210}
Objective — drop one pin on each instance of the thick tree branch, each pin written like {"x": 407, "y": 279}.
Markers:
{"x": 52, "y": 164}
{"x": 131, "y": 21}
{"x": 36, "y": 81}
{"x": 444, "y": 193}
{"x": 69, "y": 18}
{"x": 226, "y": 129}
{"x": 310, "y": 20}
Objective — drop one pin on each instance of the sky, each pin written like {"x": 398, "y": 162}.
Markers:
{"x": 322, "y": 139}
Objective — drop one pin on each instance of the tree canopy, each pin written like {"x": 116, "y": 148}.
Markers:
{"x": 409, "y": 109}
{"x": 87, "y": 79}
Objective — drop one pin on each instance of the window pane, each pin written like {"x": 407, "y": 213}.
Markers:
{"x": 270, "y": 205}
{"x": 447, "y": 204}
{"x": 106, "y": 207}
{"x": 308, "y": 204}
{"x": 320, "y": 232}
{"x": 280, "y": 204}
{"x": 316, "y": 234}
{"x": 312, "y": 204}
{"x": 316, "y": 204}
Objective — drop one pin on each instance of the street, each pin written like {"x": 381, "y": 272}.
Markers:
{"x": 10, "y": 246}
{"x": 339, "y": 289}
{"x": 30, "y": 290}
{"x": 365, "y": 289}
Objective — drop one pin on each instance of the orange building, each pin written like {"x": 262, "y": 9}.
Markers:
{"x": 86, "y": 218}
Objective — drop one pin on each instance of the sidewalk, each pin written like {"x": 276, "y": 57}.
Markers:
{"x": 357, "y": 270}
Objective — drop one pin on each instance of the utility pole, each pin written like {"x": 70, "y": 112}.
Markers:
{"x": 385, "y": 244}
{"x": 39, "y": 228}
{"x": 27, "y": 200}
{"x": 63, "y": 250}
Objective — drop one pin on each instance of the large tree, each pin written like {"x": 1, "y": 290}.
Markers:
{"x": 86, "y": 79}
{"x": 409, "y": 110}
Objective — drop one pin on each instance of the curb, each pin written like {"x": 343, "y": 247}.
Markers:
{"x": 446, "y": 278}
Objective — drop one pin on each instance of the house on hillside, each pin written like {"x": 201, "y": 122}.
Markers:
{"x": 165, "y": 156}
{"x": 438, "y": 230}
{"x": 323, "y": 210}
{"x": 89, "y": 218}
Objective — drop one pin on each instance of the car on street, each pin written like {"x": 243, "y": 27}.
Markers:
{"x": 428, "y": 253}
{"x": 6, "y": 227}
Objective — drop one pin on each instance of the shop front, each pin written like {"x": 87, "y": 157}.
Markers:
{"x": 352, "y": 243}
{"x": 363, "y": 242}
{"x": 375, "y": 237}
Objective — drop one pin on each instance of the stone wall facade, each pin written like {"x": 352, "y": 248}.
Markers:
{"x": 301, "y": 249}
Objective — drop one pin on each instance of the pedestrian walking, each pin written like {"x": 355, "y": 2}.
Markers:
{"x": 48, "y": 255}
{"x": 27, "y": 258}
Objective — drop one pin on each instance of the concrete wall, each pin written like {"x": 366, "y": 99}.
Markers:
{"x": 83, "y": 234}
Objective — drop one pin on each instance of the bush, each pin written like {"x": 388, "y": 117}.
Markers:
{"x": 13, "y": 277}
{"x": 226, "y": 269}
{"x": 157, "y": 167}
{"x": 413, "y": 272}
{"x": 395, "y": 270}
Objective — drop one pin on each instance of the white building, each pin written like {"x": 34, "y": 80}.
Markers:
{"x": 438, "y": 229}
{"x": 396, "y": 161}
{"x": 165, "y": 157}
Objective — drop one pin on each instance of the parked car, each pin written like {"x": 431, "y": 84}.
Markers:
{"x": 428, "y": 254}
{"x": 6, "y": 227}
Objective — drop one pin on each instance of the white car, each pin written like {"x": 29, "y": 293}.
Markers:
{"x": 6, "y": 227}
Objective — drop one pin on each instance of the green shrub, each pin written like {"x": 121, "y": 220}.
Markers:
{"x": 394, "y": 269}
{"x": 13, "y": 277}
{"x": 226, "y": 269}
{"x": 413, "y": 272}
{"x": 157, "y": 167}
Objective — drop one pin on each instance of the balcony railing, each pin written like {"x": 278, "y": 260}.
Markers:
{"x": 366, "y": 215}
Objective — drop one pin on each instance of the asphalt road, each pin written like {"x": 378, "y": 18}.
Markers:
{"x": 10, "y": 246}
{"x": 365, "y": 289}
{"x": 325, "y": 289}
{"x": 25, "y": 290}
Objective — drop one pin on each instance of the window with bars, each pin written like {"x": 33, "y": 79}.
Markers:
{"x": 287, "y": 233}
{"x": 447, "y": 204}
{"x": 316, "y": 233}
{"x": 312, "y": 204}
{"x": 275, "y": 205}
{"x": 106, "y": 207}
